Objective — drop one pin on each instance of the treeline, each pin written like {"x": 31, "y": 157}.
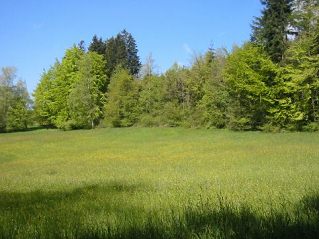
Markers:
{"x": 270, "y": 83}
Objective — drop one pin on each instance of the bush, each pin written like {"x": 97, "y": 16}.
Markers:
{"x": 312, "y": 127}
{"x": 239, "y": 124}
{"x": 148, "y": 120}
{"x": 270, "y": 128}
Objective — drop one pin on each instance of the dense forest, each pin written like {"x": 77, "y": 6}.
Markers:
{"x": 270, "y": 83}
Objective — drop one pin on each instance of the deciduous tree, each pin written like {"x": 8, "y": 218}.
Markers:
{"x": 249, "y": 77}
{"x": 86, "y": 99}
{"x": 121, "y": 107}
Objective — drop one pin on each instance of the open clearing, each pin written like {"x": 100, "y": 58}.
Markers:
{"x": 159, "y": 183}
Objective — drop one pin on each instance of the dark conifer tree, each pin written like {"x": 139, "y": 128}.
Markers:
{"x": 81, "y": 46}
{"x": 133, "y": 63}
{"x": 97, "y": 45}
{"x": 271, "y": 30}
{"x": 122, "y": 50}
{"x": 115, "y": 54}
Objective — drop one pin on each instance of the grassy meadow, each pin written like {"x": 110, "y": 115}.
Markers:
{"x": 159, "y": 183}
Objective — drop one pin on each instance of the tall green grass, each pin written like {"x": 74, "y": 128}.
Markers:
{"x": 159, "y": 183}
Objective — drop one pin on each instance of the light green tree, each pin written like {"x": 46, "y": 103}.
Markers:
{"x": 15, "y": 103}
{"x": 215, "y": 100}
{"x": 19, "y": 113}
{"x": 86, "y": 99}
{"x": 66, "y": 76}
{"x": 249, "y": 75}
{"x": 296, "y": 96}
{"x": 45, "y": 108}
{"x": 121, "y": 109}
{"x": 151, "y": 100}
{"x": 7, "y": 77}
{"x": 176, "y": 96}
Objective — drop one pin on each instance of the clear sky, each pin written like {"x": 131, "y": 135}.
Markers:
{"x": 34, "y": 33}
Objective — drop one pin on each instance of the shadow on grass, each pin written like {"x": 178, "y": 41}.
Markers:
{"x": 30, "y": 199}
{"x": 66, "y": 215}
{"x": 228, "y": 221}
{"x": 63, "y": 214}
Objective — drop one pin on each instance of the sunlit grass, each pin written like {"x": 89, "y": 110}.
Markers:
{"x": 158, "y": 183}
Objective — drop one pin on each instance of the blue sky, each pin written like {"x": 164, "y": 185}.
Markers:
{"x": 34, "y": 33}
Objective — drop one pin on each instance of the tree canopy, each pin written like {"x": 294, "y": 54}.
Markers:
{"x": 271, "y": 30}
{"x": 15, "y": 103}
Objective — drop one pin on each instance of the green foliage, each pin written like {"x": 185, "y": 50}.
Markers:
{"x": 97, "y": 45}
{"x": 285, "y": 111}
{"x": 296, "y": 96}
{"x": 65, "y": 78}
{"x": 195, "y": 79}
{"x": 120, "y": 50}
{"x": 176, "y": 86}
{"x": 19, "y": 113}
{"x": 44, "y": 99}
{"x": 6, "y": 93}
{"x": 15, "y": 112}
{"x": 86, "y": 99}
{"x": 71, "y": 93}
{"x": 249, "y": 75}
{"x": 133, "y": 63}
{"x": 152, "y": 100}
{"x": 19, "y": 117}
{"x": 115, "y": 54}
{"x": 173, "y": 114}
{"x": 311, "y": 127}
{"x": 215, "y": 100}
{"x": 305, "y": 16}
{"x": 121, "y": 109}
{"x": 177, "y": 96}
{"x": 271, "y": 29}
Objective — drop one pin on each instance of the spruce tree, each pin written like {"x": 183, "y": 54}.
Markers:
{"x": 115, "y": 54}
{"x": 122, "y": 50}
{"x": 97, "y": 45}
{"x": 271, "y": 30}
{"x": 133, "y": 63}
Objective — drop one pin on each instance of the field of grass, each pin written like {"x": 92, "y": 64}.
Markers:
{"x": 159, "y": 183}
